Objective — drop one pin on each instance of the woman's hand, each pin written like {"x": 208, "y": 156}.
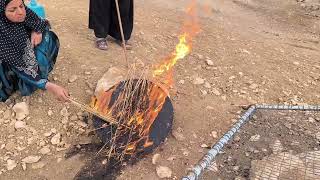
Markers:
{"x": 61, "y": 93}
{"x": 36, "y": 38}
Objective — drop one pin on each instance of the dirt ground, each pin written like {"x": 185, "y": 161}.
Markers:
{"x": 263, "y": 51}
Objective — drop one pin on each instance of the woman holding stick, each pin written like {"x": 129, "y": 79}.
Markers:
{"x": 28, "y": 51}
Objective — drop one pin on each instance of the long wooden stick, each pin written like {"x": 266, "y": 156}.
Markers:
{"x": 121, "y": 32}
{"x": 106, "y": 118}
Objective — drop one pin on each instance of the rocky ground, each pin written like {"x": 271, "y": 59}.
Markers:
{"x": 248, "y": 51}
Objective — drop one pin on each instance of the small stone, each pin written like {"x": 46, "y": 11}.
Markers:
{"x": 178, "y": 135}
{"x": 311, "y": 120}
{"x": 237, "y": 139}
{"x": 255, "y": 138}
{"x": 44, "y": 150}
{"x": 186, "y": 153}
{"x": 53, "y": 130}
{"x": 56, "y": 139}
{"x": 31, "y": 159}
{"x": 65, "y": 120}
{"x": 73, "y": 78}
{"x": 38, "y": 165}
{"x": 64, "y": 112}
{"x": 296, "y": 63}
{"x": 164, "y": 172}
{"x": 171, "y": 158}
{"x": 20, "y": 148}
{"x": 181, "y": 82}
{"x": 55, "y": 78}
{"x": 232, "y": 77}
{"x": 215, "y": 92}
{"x": 87, "y": 73}
{"x": 59, "y": 160}
{"x": 207, "y": 85}
{"x": 155, "y": 158}
{"x": 201, "y": 57}
{"x": 256, "y": 151}
{"x": 264, "y": 150}
{"x": 42, "y": 143}
{"x": 253, "y": 86}
{"x": 198, "y": 81}
{"x": 214, "y": 134}
{"x": 11, "y": 164}
{"x": 204, "y": 146}
{"x": 203, "y": 92}
{"x": 213, "y": 167}
{"x": 21, "y": 110}
{"x": 50, "y": 113}
{"x": 209, "y": 62}
{"x": 24, "y": 166}
{"x": 210, "y": 108}
{"x": 224, "y": 97}
{"x": 47, "y": 134}
{"x": 236, "y": 168}
{"x": 20, "y": 125}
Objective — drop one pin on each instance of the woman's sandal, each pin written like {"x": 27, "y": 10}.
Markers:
{"x": 127, "y": 44}
{"x": 102, "y": 44}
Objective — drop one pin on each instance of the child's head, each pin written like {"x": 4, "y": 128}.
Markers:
{"x": 15, "y": 10}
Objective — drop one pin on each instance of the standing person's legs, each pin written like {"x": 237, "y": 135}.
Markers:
{"x": 99, "y": 21}
{"x": 127, "y": 13}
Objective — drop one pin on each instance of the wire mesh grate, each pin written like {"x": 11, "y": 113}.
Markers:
{"x": 273, "y": 145}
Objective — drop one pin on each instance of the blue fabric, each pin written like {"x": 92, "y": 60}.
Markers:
{"x": 11, "y": 79}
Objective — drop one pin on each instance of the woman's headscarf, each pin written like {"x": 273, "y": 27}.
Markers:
{"x": 15, "y": 39}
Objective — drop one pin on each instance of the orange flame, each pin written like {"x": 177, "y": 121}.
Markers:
{"x": 184, "y": 47}
{"x": 140, "y": 121}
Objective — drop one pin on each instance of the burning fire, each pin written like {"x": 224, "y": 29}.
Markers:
{"x": 182, "y": 50}
{"x": 142, "y": 110}
{"x": 139, "y": 119}
{"x": 184, "y": 47}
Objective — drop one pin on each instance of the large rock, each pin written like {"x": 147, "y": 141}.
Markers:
{"x": 109, "y": 79}
{"x": 21, "y": 110}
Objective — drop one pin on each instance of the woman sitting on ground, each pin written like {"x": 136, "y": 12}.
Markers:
{"x": 28, "y": 51}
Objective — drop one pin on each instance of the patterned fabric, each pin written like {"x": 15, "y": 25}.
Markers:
{"x": 15, "y": 42}
{"x": 23, "y": 68}
{"x": 12, "y": 79}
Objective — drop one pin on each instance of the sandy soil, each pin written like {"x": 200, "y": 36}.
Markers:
{"x": 264, "y": 51}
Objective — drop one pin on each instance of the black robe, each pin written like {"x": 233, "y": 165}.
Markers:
{"x": 103, "y": 18}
